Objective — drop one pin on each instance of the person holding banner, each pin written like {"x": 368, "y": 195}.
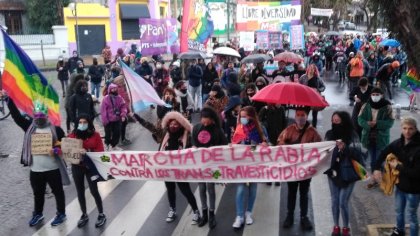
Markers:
{"x": 46, "y": 167}
{"x": 299, "y": 132}
{"x": 249, "y": 131}
{"x": 92, "y": 142}
{"x": 176, "y": 136}
{"x": 341, "y": 188}
{"x": 208, "y": 133}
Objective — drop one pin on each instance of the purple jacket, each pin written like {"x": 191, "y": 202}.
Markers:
{"x": 109, "y": 112}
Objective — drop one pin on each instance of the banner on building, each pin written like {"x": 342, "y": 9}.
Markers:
{"x": 296, "y": 36}
{"x": 219, "y": 14}
{"x": 262, "y": 39}
{"x": 321, "y": 12}
{"x": 158, "y": 36}
{"x": 223, "y": 164}
{"x": 266, "y": 15}
{"x": 247, "y": 41}
{"x": 197, "y": 25}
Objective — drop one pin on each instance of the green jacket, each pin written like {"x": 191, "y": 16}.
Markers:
{"x": 384, "y": 122}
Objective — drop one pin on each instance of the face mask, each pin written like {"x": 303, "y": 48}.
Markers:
{"x": 84, "y": 89}
{"x": 290, "y": 68}
{"x": 336, "y": 126}
{"x": 173, "y": 129}
{"x": 183, "y": 90}
{"x": 40, "y": 122}
{"x": 251, "y": 94}
{"x": 158, "y": 66}
{"x": 376, "y": 98}
{"x": 244, "y": 121}
{"x": 300, "y": 121}
{"x": 260, "y": 86}
{"x": 82, "y": 127}
{"x": 115, "y": 93}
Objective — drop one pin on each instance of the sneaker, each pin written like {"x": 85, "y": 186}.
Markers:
{"x": 196, "y": 217}
{"x": 288, "y": 222}
{"x": 115, "y": 149}
{"x": 101, "y": 220}
{"x": 83, "y": 220}
{"x": 248, "y": 218}
{"x": 239, "y": 222}
{"x": 171, "y": 215}
{"x": 36, "y": 219}
{"x": 59, "y": 219}
{"x": 336, "y": 231}
{"x": 305, "y": 223}
{"x": 346, "y": 231}
{"x": 125, "y": 142}
{"x": 397, "y": 232}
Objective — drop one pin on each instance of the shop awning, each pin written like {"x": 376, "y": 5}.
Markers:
{"x": 134, "y": 11}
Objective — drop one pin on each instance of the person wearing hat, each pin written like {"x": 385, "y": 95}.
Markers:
{"x": 80, "y": 69}
{"x": 376, "y": 120}
{"x": 383, "y": 76}
{"x": 92, "y": 142}
{"x": 62, "y": 69}
{"x": 44, "y": 168}
{"x": 299, "y": 132}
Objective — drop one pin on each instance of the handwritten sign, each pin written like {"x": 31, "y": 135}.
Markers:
{"x": 71, "y": 150}
{"x": 246, "y": 41}
{"x": 262, "y": 39}
{"x": 236, "y": 163}
{"x": 297, "y": 37}
{"x": 41, "y": 144}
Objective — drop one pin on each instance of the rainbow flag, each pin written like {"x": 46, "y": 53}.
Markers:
{"x": 24, "y": 83}
{"x": 197, "y": 26}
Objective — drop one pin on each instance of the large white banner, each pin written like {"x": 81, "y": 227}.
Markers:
{"x": 266, "y": 13}
{"x": 224, "y": 164}
{"x": 321, "y": 12}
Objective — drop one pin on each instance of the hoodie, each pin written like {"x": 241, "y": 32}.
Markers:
{"x": 113, "y": 107}
{"x": 183, "y": 138}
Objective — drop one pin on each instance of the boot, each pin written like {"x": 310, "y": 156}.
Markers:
{"x": 204, "y": 219}
{"x": 289, "y": 221}
{"x": 212, "y": 219}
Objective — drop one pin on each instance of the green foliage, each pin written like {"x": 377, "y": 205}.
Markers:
{"x": 43, "y": 14}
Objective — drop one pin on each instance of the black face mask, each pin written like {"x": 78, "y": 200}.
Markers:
{"x": 84, "y": 90}
{"x": 184, "y": 91}
{"x": 251, "y": 94}
{"x": 114, "y": 93}
{"x": 41, "y": 123}
{"x": 144, "y": 63}
{"x": 260, "y": 87}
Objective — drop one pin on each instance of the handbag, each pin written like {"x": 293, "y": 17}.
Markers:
{"x": 347, "y": 170}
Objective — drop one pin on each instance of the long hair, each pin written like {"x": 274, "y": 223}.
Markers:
{"x": 312, "y": 67}
{"x": 251, "y": 112}
{"x": 209, "y": 112}
{"x": 347, "y": 130}
{"x": 82, "y": 134}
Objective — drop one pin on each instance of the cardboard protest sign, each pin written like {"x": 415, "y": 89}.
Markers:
{"x": 223, "y": 164}
{"x": 70, "y": 148}
{"x": 41, "y": 144}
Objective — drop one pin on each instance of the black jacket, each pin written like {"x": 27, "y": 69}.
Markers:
{"x": 96, "y": 72}
{"x": 64, "y": 73}
{"x": 81, "y": 104}
{"x": 274, "y": 120}
{"x": 217, "y": 137}
{"x": 409, "y": 156}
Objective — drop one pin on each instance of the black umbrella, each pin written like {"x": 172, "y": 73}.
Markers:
{"x": 192, "y": 55}
{"x": 256, "y": 58}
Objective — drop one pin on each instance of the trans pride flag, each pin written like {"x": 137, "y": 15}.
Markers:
{"x": 142, "y": 93}
{"x": 197, "y": 25}
{"x": 24, "y": 83}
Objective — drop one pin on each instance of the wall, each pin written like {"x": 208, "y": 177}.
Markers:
{"x": 59, "y": 46}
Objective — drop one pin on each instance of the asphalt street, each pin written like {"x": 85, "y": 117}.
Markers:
{"x": 140, "y": 208}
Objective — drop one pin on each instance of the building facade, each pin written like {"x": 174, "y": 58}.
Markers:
{"x": 13, "y": 16}
{"x": 94, "y": 24}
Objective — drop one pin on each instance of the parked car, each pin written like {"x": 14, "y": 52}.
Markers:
{"x": 350, "y": 26}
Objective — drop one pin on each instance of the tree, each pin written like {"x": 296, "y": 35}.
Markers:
{"x": 44, "y": 14}
{"x": 403, "y": 20}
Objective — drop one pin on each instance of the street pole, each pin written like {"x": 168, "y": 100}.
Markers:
{"x": 77, "y": 28}
{"x": 228, "y": 19}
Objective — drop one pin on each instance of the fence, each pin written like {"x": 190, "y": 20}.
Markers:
{"x": 34, "y": 39}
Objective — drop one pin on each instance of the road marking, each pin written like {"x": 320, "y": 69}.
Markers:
{"x": 184, "y": 226}
{"x": 135, "y": 213}
{"x": 266, "y": 212}
{"x": 73, "y": 210}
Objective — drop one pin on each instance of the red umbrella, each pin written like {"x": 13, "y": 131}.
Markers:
{"x": 289, "y": 93}
{"x": 288, "y": 57}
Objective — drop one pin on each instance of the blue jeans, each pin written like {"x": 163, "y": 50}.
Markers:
{"x": 373, "y": 154}
{"x": 96, "y": 87}
{"x": 340, "y": 201}
{"x": 402, "y": 200}
{"x": 240, "y": 193}
{"x": 196, "y": 96}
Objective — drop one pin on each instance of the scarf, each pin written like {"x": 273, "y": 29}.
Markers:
{"x": 27, "y": 140}
{"x": 378, "y": 105}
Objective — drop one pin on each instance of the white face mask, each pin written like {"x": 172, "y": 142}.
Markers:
{"x": 158, "y": 66}
{"x": 376, "y": 98}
